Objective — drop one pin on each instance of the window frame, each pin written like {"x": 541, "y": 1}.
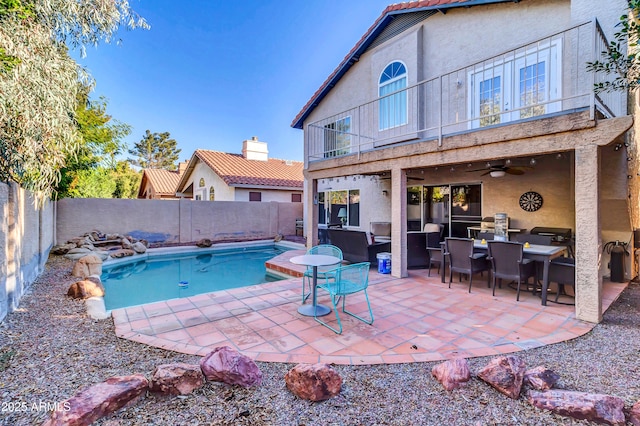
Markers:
{"x": 392, "y": 99}
{"x": 255, "y": 196}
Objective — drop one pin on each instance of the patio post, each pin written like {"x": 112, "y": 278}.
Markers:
{"x": 398, "y": 223}
{"x": 588, "y": 247}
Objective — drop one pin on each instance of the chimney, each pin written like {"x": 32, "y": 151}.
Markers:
{"x": 182, "y": 167}
{"x": 253, "y": 149}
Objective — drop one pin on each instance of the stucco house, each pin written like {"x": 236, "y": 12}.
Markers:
{"x": 250, "y": 176}
{"x": 449, "y": 111}
{"x": 160, "y": 184}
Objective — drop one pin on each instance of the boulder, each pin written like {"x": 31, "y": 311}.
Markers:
{"x": 596, "y": 408}
{"x": 541, "y": 378}
{"x": 126, "y": 243}
{"x": 98, "y": 401}
{"x": 63, "y": 248}
{"x": 139, "y": 247}
{"x": 85, "y": 289}
{"x": 203, "y": 243}
{"x": 96, "y": 308}
{"x": 505, "y": 374}
{"x": 231, "y": 367}
{"x": 101, "y": 253}
{"x": 90, "y": 264}
{"x": 634, "y": 414}
{"x": 315, "y": 382}
{"x": 176, "y": 379}
{"x": 453, "y": 373}
{"x": 121, "y": 253}
{"x": 77, "y": 253}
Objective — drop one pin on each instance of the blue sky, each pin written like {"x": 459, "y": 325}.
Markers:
{"x": 214, "y": 73}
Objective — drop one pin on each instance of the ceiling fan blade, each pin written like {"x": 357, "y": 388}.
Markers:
{"x": 487, "y": 172}
{"x": 514, "y": 171}
{"x": 476, "y": 170}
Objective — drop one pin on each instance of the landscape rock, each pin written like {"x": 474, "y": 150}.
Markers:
{"x": 77, "y": 253}
{"x": 85, "y": 289}
{"x": 506, "y": 374}
{"x": 541, "y": 378}
{"x": 139, "y": 247}
{"x": 453, "y": 373}
{"x": 598, "y": 408}
{"x": 121, "y": 253}
{"x": 203, "y": 243}
{"x": 176, "y": 379}
{"x": 314, "y": 382}
{"x": 231, "y": 367}
{"x": 96, "y": 308}
{"x": 634, "y": 414}
{"x": 126, "y": 243}
{"x": 63, "y": 248}
{"x": 98, "y": 401}
{"x": 90, "y": 264}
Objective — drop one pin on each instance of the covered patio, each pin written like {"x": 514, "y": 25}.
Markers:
{"x": 417, "y": 319}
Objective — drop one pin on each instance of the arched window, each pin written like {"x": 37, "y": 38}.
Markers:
{"x": 212, "y": 194}
{"x": 393, "y": 99}
{"x": 201, "y": 184}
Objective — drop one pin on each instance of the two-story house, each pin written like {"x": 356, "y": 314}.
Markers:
{"x": 448, "y": 111}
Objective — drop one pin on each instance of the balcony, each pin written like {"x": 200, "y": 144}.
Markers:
{"x": 541, "y": 79}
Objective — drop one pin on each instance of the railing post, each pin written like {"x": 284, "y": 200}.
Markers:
{"x": 592, "y": 93}
{"x": 440, "y": 114}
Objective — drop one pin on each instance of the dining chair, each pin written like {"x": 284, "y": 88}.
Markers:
{"x": 324, "y": 272}
{"x": 463, "y": 260}
{"x": 485, "y": 236}
{"x": 349, "y": 279}
{"x": 434, "y": 250}
{"x": 507, "y": 262}
{"x": 543, "y": 240}
{"x": 562, "y": 271}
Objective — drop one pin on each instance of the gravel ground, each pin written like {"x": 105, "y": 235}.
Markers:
{"x": 50, "y": 349}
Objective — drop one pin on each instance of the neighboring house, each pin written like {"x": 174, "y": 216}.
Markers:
{"x": 160, "y": 184}
{"x": 250, "y": 176}
{"x": 449, "y": 111}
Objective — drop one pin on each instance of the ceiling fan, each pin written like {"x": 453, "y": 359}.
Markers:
{"x": 499, "y": 170}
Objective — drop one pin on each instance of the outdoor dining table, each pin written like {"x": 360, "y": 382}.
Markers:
{"x": 537, "y": 252}
{"x": 314, "y": 260}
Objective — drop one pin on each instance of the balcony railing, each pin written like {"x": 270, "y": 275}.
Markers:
{"x": 542, "y": 78}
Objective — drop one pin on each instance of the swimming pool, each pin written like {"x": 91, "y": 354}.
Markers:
{"x": 172, "y": 275}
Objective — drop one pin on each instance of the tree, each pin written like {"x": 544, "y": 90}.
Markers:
{"x": 156, "y": 151}
{"x": 38, "y": 82}
{"x": 100, "y": 143}
{"x": 127, "y": 180}
{"x": 621, "y": 57}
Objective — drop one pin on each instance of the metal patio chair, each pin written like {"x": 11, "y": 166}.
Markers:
{"x": 349, "y": 279}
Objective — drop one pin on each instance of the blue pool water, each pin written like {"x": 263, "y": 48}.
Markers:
{"x": 174, "y": 276}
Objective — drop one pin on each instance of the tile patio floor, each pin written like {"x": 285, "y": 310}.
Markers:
{"x": 416, "y": 319}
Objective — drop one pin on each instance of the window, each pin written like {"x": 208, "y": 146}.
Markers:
{"x": 337, "y": 138}
{"x": 296, "y": 198}
{"x": 393, "y": 99}
{"x": 255, "y": 196}
{"x": 212, "y": 194}
{"x": 524, "y": 86}
{"x": 332, "y": 202}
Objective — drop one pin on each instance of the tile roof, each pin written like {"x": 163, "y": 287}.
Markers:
{"x": 361, "y": 46}
{"x": 236, "y": 170}
{"x": 164, "y": 182}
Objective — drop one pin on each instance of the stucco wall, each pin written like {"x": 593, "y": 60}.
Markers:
{"x": 26, "y": 236}
{"x": 174, "y": 221}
